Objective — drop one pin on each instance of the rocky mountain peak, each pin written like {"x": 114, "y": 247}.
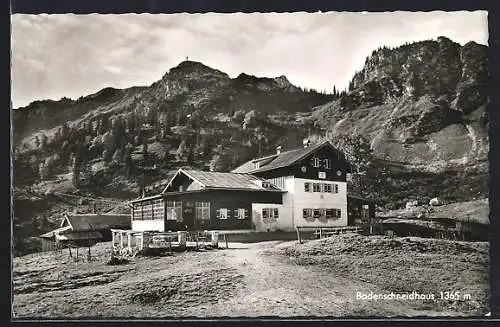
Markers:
{"x": 412, "y": 99}
{"x": 194, "y": 69}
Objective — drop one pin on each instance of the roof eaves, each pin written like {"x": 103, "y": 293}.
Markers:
{"x": 146, "y": 198}
{"x": 246, "y": 189}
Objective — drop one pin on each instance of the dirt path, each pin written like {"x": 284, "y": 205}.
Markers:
{"x": 275, "y": 286}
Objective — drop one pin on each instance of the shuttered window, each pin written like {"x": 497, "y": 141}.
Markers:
{"x": 241, "y": 213}
{"x": 270, "y": 213}
{"x": 222, "y": 213}
{"x": 307, "y": 213}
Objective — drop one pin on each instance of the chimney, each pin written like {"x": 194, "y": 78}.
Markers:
{"x": 278, "y": 149}
{"x": 306, "y": 143}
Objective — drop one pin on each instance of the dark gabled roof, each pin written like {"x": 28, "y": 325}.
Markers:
{"x": 283, "y": 159}
{"x": 92, "y": 222}
{"x": 229, "y": 181}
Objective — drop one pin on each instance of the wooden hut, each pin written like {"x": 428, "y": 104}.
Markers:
{"x": 84, "y": 229}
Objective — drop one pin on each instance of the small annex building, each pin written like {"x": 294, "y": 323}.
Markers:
{"x": 300, "y": 187}
{"x": 85, "y": 229}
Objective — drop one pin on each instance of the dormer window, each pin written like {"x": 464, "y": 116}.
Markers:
{"x": 266, "y": 184}
{"x": 256, "y": 165}
{"x": 327, "y": 163}
{"x": 316, "y": 162}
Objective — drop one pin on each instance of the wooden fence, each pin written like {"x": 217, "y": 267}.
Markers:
{"x": 322, "y": 231}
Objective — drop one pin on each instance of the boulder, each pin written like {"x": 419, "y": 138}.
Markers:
{"x": 435, "y": 202}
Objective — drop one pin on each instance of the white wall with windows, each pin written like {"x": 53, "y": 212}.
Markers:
{"x": 320, "y": 203}
{"x": 148, "y": 215}
{"x": 276, "y": 217}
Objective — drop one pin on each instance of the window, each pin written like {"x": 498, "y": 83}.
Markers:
{"x": 268, "y": 213}
{"x": 174, "y": 210}
{"x": 332, "y": 213}
{"x": 158, "y": 209}
{"x": 266, "y": 184}
{"x": 137, "y": 212}
{"x": 278, "y": 181}
{"x": 366, "y": 206}
{"x": 316, "y": 187}
{"x": 327, "y": 164}
{"x": 336, "y": 188}
{"x": 307, "y": 213}
{"x": 327, "y": 188}
{"x": 256, "y": 165}
{"x": 317, "y": 213}
{"x": 203, "y": 210}
{"x": 147, "y": 210}
{"x": 307, "y": 187}
{"x": 316, "y": 162}
{"x": 241, "y": 213}
{"x": 222, "y": 213}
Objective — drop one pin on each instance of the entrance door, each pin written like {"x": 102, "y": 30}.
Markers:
{"x": 188, "y": 215}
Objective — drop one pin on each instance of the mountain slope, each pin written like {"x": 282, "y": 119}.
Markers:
{"x": 423, "y": 104}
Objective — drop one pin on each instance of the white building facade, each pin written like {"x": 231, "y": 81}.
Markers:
{"x": 314, "y": 178}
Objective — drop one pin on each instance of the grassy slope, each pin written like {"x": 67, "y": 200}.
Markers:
{"x": 476, "y": 210}
{"x": 404, "y": 265}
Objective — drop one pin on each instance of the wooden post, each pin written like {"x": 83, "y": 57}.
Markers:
{"x": 182, "y": 238}
{"x": 298, "y": 235}
{"x": 215, "y": 239}
{"x": 90, "y": 258}
{"x": 69, "y": 249}
{"x": 320, "y": 233}
{"x": 77, "y": 253}
{"x": 225, "y": 239}
{"x": 196, "y": 240}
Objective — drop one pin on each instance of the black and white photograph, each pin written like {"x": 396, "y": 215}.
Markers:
{"x": 297, "y": 165}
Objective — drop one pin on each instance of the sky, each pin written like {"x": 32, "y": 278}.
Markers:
{"x": 55, "y": 56}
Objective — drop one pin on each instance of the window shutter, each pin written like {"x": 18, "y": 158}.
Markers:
{"x": 218, "y": 213}
{"x": 246, "y": 213}
{"x": 235, "y": 213}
